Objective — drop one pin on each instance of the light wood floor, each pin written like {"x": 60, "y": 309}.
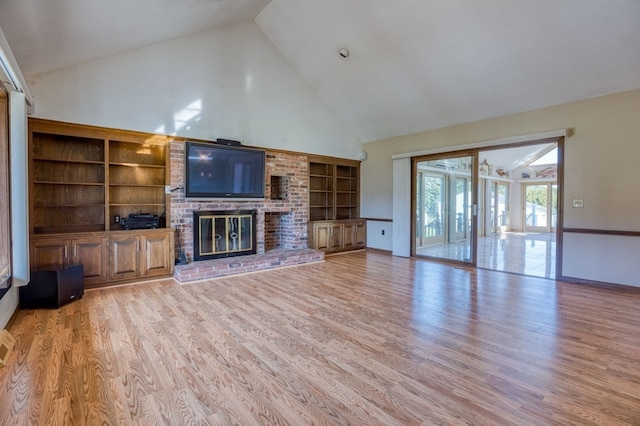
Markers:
{"x": 363, "y": 338}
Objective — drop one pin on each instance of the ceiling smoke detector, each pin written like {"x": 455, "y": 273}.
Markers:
{"x": 344, "y": 53}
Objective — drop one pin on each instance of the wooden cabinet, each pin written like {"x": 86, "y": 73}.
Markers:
{"x": 338, "y": 235}
{"x": 147, "y": 254}
{"x": 334, "y": 205}
{"x": 107, "y": 256}
{"x": 124, "y": 257}
{"x": 92, "y": 254}
{"x": 53, "y": 253}
{"x": 157, "y": 254}
{"x": 354, "y": 235}
{"x": 81, "y": 178}
{"x": 326, "y": 236}
{"x": 49, "y": 254}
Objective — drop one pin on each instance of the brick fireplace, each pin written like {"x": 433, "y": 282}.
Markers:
{"x": 281, "y": 218}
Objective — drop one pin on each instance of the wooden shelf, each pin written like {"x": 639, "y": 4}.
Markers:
{"x": 149, "y": 166}
{"x": 68, "y": 229}
{"x": 40, "y": 182}
{"x": 81, "y": 177}
{"x": 57, "y": 160}
{"x": 135, "y": 185}
{"x": 136, "y": 204}
{"x": 68, "y": 205}
{"x": 333, "y": 189}
{"x": 106, "y": 172}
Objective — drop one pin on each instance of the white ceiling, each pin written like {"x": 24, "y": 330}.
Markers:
{"x": 47, "y": 35}
{"x": 512, "y": 158}
{"x": 415, "y": 64}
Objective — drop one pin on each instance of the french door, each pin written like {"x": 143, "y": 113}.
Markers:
{"x": 497, "y": 215}
{"x": 540, "y": 207}
{"x": 445, "y": 207}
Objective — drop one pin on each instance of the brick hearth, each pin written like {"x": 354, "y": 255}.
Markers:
{"x": 215, "y": 268}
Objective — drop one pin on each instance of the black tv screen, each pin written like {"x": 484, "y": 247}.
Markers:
{"x": 221, "y": 171}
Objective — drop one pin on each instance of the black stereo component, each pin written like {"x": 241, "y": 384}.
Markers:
{"x": 140, "y": 221}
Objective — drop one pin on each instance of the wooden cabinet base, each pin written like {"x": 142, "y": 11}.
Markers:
{"x": 110, "y": 257}
{"x": 334, "y": 236}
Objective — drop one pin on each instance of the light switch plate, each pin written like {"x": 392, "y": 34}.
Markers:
{"x": 578, "y": 203}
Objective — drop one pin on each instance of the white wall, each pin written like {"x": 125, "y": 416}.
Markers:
{"x": 600, "y": 160}
{"x": 231, "y": 83}
{"x": 379, "y": 234}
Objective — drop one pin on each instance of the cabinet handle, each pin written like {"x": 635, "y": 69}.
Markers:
{"x": 65, "y": 252}
{"x": 75, "y": 252}
{"x": 137, "y": 245}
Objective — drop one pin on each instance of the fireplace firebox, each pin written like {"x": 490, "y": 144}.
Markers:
{"x": 219, "y": 234}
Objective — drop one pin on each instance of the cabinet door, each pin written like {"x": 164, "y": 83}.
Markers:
{"x": 157, "y": 256}
{"x": 321, "y": 233}
{"x": 124, "y": 257}
{"x": 47, "y": 255}
{"x": 361, "y": 234}
{"x": 349, "y": 236}
{"x": 92, "y": 253}
{"x": 336, "y": 240}
{"x": 327, "y": 236}
{"x": 355, "y": 235}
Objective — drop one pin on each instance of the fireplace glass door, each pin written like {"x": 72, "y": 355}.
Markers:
{"x": 221, "y": 235}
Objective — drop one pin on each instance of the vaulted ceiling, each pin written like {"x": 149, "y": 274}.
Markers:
{"x": 413, "y": 65}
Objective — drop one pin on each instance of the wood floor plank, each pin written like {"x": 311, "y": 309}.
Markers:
{"x": 362, "y": 338}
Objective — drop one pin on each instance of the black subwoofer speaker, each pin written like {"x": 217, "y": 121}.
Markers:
{"x": 52, "y": 289}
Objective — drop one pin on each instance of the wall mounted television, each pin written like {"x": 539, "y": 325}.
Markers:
{"x": 222, "y": 171}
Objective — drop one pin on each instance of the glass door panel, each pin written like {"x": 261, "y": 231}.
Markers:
{"x": 541, "y": 207}
{"x": 493, "y": 212}
{"x": 502, "y": 211}
{"x": 445, "y": 217}
{"x": 430, "y": 208}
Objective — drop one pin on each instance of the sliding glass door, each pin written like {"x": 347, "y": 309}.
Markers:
{"x": 445, "y": 208}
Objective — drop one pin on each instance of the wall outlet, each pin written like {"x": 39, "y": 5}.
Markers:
{"x": 578, "y": 203}
{"x": 167, "y": 189}
{"x": 116, "y": 219}
{"x": 383, "y": 232}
